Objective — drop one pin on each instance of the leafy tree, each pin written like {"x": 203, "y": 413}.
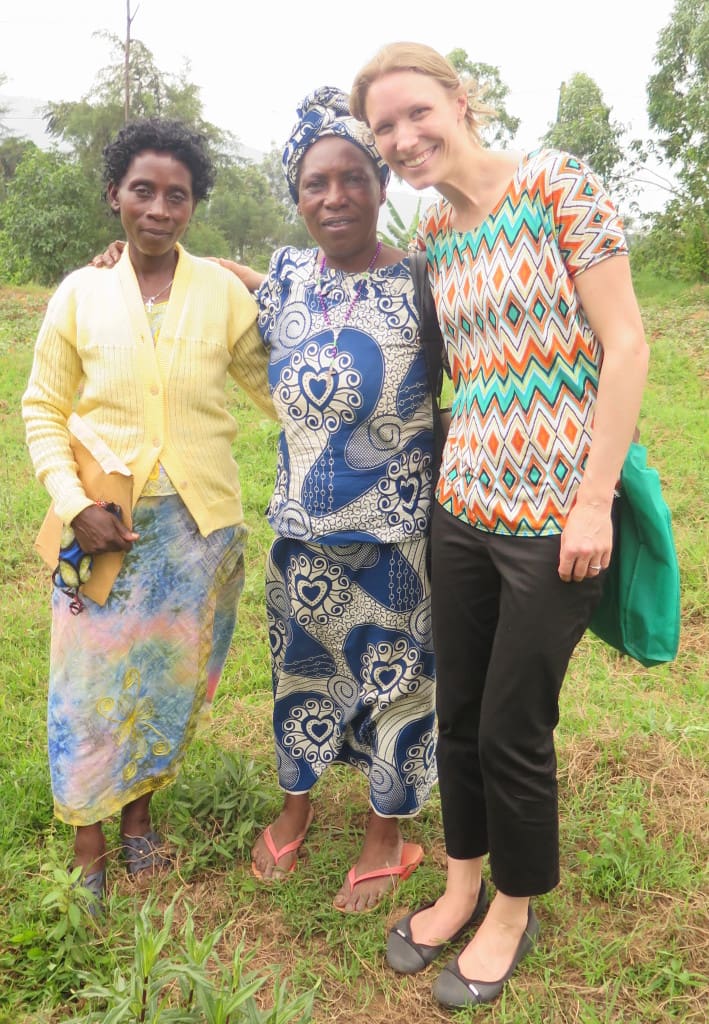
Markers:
{"x": 294, "y": 231}
{"x": 398, "y": 233}
{"x": 204, "y": 238}
{"x": 249, "y": 214}
{"x": 85, "y": 128}
{"x": 12, "y": 147}
{"x": 678, "y": 96}
{"x": 243, "y": 209}
{"x": 146, "y": 83}
{"x": 676, "y": 245}
{"x": 271, "y": 167}
{"x": 584, "y": 127}
{"x": 678, "y": 109}
{"x": 87, "y": 125}
{"x": 502, "y": 126}
{"x": 12, "y": 151}
{"x": 51, "y": 221}
{"x": 3, "y": 108}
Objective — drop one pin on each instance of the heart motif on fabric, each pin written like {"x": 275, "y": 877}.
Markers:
{"x": 317, "y": 387}
{"x": 318, "y": 730}
{"x": 313, "y": 593}
{"x": 409, "y": 491}
{"x": 386, "y": 676}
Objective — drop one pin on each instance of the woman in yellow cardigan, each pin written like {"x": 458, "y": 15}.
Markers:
{"x": 146, "y": 347}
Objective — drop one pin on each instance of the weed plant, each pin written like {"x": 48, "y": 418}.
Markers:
{"x": 624, "y": 937}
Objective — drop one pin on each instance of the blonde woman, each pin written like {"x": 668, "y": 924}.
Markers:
{"x": 529, "y": 269}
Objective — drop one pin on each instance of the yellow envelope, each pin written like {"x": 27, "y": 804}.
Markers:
{"x": 104, "y": 478}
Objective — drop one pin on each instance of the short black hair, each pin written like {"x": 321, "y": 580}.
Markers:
{"x": 164, "y": 136}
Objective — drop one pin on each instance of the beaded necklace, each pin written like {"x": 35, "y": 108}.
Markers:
{"x": 331, "y": 350}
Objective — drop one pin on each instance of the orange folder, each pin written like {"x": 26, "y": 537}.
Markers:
{"x": 104, "y": 478}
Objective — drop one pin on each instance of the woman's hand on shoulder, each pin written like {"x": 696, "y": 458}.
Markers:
{"x": 250, "y": 277}
{"x": 98, "y": 531}
{"x": 110, "y": 257}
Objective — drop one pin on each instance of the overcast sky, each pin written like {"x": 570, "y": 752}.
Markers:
{"x": 255, "y": 60}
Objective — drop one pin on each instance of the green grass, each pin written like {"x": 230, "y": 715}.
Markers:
{"x": 624, "y": 937}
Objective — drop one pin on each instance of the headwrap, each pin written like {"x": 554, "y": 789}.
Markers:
{"x": 326, "y": 112}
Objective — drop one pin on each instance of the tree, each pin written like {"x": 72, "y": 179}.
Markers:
{"x": 398, "y": 233}
{"x": 244, "y": 218}
{"x": 13, "y": 149}
{"x": 271, "y": 167}
{"x": 204, "y": 238}
{"x": 678, "y": 109}
{"x": 294, "y": 231}
{"x": 243, "y": 209}
{"x": 87, "y": 125}
{"x": 678, "y": 96}
{"x": 3, "y": 108}
{"x": 502, "y": 126}
{"x": 584, "y": 127}
{"x": 52, "y": 219}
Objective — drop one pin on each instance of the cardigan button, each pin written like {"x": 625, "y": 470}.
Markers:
{"x": 154, "y": 390}
{"x": 156, "y": 442}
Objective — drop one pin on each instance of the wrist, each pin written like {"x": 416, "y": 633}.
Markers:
{"x": 595, "y": 502}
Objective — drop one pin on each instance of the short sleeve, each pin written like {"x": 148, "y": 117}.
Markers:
{"x": 269, "y": 296}
{"x": 587, "y": 225}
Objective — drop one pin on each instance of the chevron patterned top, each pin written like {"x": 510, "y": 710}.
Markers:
{"x": 523, "y": 358}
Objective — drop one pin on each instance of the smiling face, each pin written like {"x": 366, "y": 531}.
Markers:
{"x": 418, "y": 125}
{"x": 339, "y": 195}
{"x": 154, "y": 201}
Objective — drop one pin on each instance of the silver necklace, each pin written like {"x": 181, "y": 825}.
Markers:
{"x": 150, "y": 300}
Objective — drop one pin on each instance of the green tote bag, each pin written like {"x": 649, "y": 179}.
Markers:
{"x": 639, "y": 613}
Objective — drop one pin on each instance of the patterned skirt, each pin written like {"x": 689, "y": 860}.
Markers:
{"x": 129, "y": 681}
{"x": 353, "y": 668}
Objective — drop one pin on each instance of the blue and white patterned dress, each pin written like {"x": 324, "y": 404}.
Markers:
{"x": 347, "y": 590}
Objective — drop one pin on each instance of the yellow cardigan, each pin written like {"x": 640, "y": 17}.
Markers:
{"x": 147, "y": 401}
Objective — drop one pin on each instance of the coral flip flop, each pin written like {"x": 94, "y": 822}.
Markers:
{"x": 411, "y": 857}
{"x": 277, "y": 854}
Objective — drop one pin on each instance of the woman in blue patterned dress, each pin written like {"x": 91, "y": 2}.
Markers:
{"x": 347, "y": 589}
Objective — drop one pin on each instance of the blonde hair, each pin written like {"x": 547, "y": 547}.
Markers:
{"x": 423, "y": 60}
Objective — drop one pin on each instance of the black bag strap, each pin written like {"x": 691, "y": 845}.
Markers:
{"x": 433, "y": 347}
{"x": 430, "y": 330}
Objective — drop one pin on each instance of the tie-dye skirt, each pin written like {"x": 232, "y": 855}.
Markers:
{"x": 130, "y": 681}
{"x": 353, "y": 667}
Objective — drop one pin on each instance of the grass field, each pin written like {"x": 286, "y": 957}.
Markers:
{"x": 625, "y": 938}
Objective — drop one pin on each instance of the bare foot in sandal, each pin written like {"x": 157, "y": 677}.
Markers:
{"x": 275, "y": 853}
{"x": 384, "y": 860}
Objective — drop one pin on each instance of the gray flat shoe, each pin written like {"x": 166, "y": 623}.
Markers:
{"x": 406, "y": 956}
{"x": 144, "y": 853}
{"x": 453, "y": 990}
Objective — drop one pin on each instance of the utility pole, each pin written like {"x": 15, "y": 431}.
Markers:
{"x": 126, "y": 63}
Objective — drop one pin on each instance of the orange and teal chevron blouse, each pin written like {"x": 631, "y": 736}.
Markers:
{"x": 523, "y": 358}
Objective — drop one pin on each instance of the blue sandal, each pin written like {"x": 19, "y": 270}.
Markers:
{"x": 144, "y": 853}
{"x": 96, "y": 884}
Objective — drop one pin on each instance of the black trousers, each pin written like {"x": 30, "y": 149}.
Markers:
{"x": 504, "y": 629}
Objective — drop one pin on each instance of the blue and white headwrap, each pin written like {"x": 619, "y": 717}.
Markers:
{"x": 326, "y": 112}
